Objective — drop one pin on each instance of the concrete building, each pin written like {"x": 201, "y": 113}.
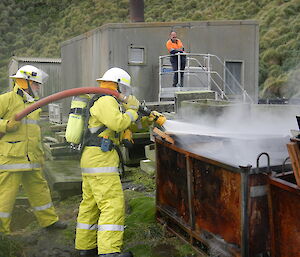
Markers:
{"x": 136, "y": 47}
{"x": 52, "y": 66}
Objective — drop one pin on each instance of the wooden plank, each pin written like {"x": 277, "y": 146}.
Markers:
{"x": 294, "y": 153}
{"x": 295, "y": 139}
{"x": 163, "y": 135}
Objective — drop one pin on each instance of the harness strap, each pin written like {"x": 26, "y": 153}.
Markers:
{"x": 89, "y": 138}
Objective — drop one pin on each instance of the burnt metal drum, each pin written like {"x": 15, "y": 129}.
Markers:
{"x": 218, "y": 206}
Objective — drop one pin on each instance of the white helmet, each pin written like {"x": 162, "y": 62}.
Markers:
{"x": 30, "y": 72}
{"x": 116, "y": 75}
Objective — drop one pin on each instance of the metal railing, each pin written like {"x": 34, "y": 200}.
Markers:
{"x": 199, "y": 68}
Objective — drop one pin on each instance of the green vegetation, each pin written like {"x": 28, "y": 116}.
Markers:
{"x": 143, "y": 235}
{"x": 8, "y": 247}
{"x": 37, "y": 27}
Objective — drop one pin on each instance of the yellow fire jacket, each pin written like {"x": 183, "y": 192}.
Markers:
{"x": 20, "y": 150}
{"x": 105, "y": 112}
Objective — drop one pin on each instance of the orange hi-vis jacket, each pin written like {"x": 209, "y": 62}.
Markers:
{"x": 178, "y": 46}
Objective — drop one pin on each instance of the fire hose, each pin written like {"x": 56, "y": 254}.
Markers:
{"x": 75, "y": 92}
{"x": 65, "y": 94}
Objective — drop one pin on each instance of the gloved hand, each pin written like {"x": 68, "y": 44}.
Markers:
{"x": 157, "y": 117}
{"x": 12, "y": 125}
{"x": 131, "y": 103}
{"x": 127, "y": 138}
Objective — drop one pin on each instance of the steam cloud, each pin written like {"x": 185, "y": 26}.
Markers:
{"x": 237, "y": 135}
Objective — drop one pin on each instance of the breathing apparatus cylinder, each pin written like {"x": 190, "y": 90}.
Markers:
{"x": 75, "y": 125}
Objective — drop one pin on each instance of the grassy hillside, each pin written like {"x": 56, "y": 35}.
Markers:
{"x": 37, "y": 27}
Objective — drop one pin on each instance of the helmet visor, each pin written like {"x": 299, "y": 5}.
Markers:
{"x": 125, "y": 90}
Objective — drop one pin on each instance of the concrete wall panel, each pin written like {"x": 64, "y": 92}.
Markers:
{"x": 88, "y": 56}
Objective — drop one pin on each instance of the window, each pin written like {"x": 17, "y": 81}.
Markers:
{"x": 233, "y": 77}
{"x": 136, "y": 55}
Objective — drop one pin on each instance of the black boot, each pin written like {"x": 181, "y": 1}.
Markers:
{"x": 57, "y": 225}
{"x": 88, "y": 253}
{"x": 127, "y": 254}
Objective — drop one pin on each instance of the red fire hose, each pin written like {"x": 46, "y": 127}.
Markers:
{"x": 65, "y": 94}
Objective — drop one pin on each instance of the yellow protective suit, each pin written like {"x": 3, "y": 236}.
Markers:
{"x": 21, "y": 158}
{"x": 100, "y": 220}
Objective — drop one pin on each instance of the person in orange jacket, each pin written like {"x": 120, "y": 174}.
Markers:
{"x": 174, "y": 46}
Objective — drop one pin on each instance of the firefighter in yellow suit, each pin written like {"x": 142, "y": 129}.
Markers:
{"x": 21, "y": 154}
{"x": 100, "y": 222}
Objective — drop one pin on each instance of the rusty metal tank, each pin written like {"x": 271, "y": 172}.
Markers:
{"x": 220, "y": 208}
{"x": 284, "y": 202}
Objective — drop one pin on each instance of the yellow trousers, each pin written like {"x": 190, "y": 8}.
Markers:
{"x": 100, "y": 221}
{"x": 37, "y": 190}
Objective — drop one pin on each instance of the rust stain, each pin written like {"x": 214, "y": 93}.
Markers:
{"x": 172, "y": 191}
{"x": 215, "y": 214}
{"x": 259, "y": 240}
{"x": 217, "y": 201}
{"x": 285, "y": 221}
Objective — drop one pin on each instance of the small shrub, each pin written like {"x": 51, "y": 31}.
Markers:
{"x": 263, "y": 74}
{"x": 272, "y": 86}
{"x": 275, "y": 70}
{"x": 191, "y": 4}
{"x": 290, "y": 63}
{"x": 271, "y": 56}
{"x": 197, "y": 15}
{"x": 289, "y": 11}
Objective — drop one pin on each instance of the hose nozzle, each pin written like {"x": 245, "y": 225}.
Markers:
{"x": 158, "y": 118}
{"x": 155, "y": 116}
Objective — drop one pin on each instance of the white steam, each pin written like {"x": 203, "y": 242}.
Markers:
{"x": 239, "y": 134}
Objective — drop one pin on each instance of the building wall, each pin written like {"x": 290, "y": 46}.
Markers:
{"x": 88, "y": 56}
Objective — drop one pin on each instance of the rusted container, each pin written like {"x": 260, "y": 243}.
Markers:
{"x": 284, "y": 200}
{"x": 220, "y": 209}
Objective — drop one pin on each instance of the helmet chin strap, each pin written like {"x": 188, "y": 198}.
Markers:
{"x": 30, "y": 89}
{"x": 118, "y": 88}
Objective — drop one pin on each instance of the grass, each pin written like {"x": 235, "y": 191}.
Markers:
{"x": 56, "y": 21}
{"x": 8, "y": 247}
{"x": 143, "y": 235}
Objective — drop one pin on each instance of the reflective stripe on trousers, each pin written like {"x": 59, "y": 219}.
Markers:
{"x": 105, "y": 227}
{"x": 43, "y": 207}
{"x": 20, "y": 166}
{"x": 87, "y": 226}
{"x": 4, "y": 214}
{"x": 100, "y": 170}
{"x": 110, "y": 227}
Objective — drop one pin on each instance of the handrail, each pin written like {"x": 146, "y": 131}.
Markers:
{"x": 235, "y": 80}
{"x": 204, "y": 69}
